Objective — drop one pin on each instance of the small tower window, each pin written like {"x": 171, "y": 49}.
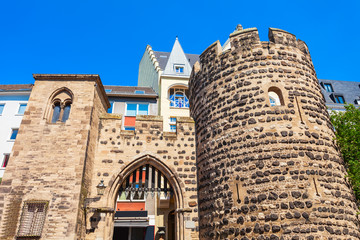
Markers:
{"x": 275, "y": 97}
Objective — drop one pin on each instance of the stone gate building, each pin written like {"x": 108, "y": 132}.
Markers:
{"x": 261, "y": 164}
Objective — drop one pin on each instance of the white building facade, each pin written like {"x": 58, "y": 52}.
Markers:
{"x": 13, "y": 102}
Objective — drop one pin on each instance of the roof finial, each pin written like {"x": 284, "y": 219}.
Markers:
{"x": 239, "y": 27}
{"x": 177, "y": 37}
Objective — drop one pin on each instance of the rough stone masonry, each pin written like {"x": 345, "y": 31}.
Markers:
{"x": 267, "y": 172}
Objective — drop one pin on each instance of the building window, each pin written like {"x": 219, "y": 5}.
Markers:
{"x": 339, "y": 99}
{"x": 328, "y": 87}
{"x": 110, "y": 109}
{"x": 172, "y": 124}
{"x": 129, "y": 128}
{"x": 179, "y": 69}
{"x": 61, "y": 111}
{"x": 133, "y": 109}
{"x": 32, "y": 219}
{"x": 14, "y": 133}
{"x": 22, "y": 108}
{"x": 179, "y": 98}
{"x": 61, "y": 105}
{"x": 275, "y": 97}
{"x": 5, "y": 160}
{"x": 2, "y": 108}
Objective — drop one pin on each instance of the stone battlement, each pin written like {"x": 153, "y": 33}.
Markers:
{"x": 244, "y": 40}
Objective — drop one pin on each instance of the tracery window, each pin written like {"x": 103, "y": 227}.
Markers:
{"x": 179, "y": 97}
{"x": 61, "y": 106}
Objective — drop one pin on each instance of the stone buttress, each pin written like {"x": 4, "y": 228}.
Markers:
{"x": 267, "y": 170}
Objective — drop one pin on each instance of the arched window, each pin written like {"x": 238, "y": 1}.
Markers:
{"x": 61, "y": 106}
{"x": 179, "y": 97}
{"x": 275, "y": 97}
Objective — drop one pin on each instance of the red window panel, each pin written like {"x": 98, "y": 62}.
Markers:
{"x": 130, "y": 121}
{"x": 6, "y": 160}
{"x": 137, "y": 175}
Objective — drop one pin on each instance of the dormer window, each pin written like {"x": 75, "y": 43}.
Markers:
{"x": 328, "y": 87}
{"x": 339, "y": 99}
{"x": 139, "y": 92}
{"x": 179, "y": 68}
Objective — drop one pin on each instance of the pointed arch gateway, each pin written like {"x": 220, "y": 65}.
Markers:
{"x": 150, "y": 191}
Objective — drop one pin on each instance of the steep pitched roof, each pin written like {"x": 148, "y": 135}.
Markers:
{"x": 163, "y": 57}
{"x": 177, "y": 58}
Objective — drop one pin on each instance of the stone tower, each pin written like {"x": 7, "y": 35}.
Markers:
{"x": 267, "y": 164}
{"x": 43, "y": 189}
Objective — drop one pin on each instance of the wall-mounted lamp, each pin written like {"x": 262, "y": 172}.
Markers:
{"x": 101, "y": 188}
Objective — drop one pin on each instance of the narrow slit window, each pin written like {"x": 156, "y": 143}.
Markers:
{"x": 56, "y": 112}
{"x": 66, "y": 112}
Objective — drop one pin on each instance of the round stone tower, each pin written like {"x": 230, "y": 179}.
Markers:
{"x": 268, "y": 167}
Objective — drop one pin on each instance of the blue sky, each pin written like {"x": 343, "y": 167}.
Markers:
{"x": 109, "y": 37}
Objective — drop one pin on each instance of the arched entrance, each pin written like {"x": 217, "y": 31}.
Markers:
{"x": 147, "y": 193}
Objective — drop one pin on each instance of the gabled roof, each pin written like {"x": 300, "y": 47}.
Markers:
{"x": 177, "y": 58}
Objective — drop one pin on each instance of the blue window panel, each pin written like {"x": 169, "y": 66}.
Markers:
{"x": 328, "y": 87}
{"x": 339, "y": 99}
{"x": 173, "y": 120}
{"x": 110, "y": 109}
{"x": 139, "y": 92}
{"x": 143, "y": 109}
{"x": 129, "y": 128}
{"x": 22, "y": 108}
{"x": 66, "y": 113}
{"x": 2, "y": 108}
{"x": 179, "y": 69}
{"x": 56, "y": 113}
{"x": 14, "y": 134}
{"x": 172, "y": 128}
{"x": 272, "y": 102}
{"x": 131, "y": 109}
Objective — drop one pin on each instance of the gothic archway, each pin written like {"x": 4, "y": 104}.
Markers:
{"x": 143, "y": 180}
